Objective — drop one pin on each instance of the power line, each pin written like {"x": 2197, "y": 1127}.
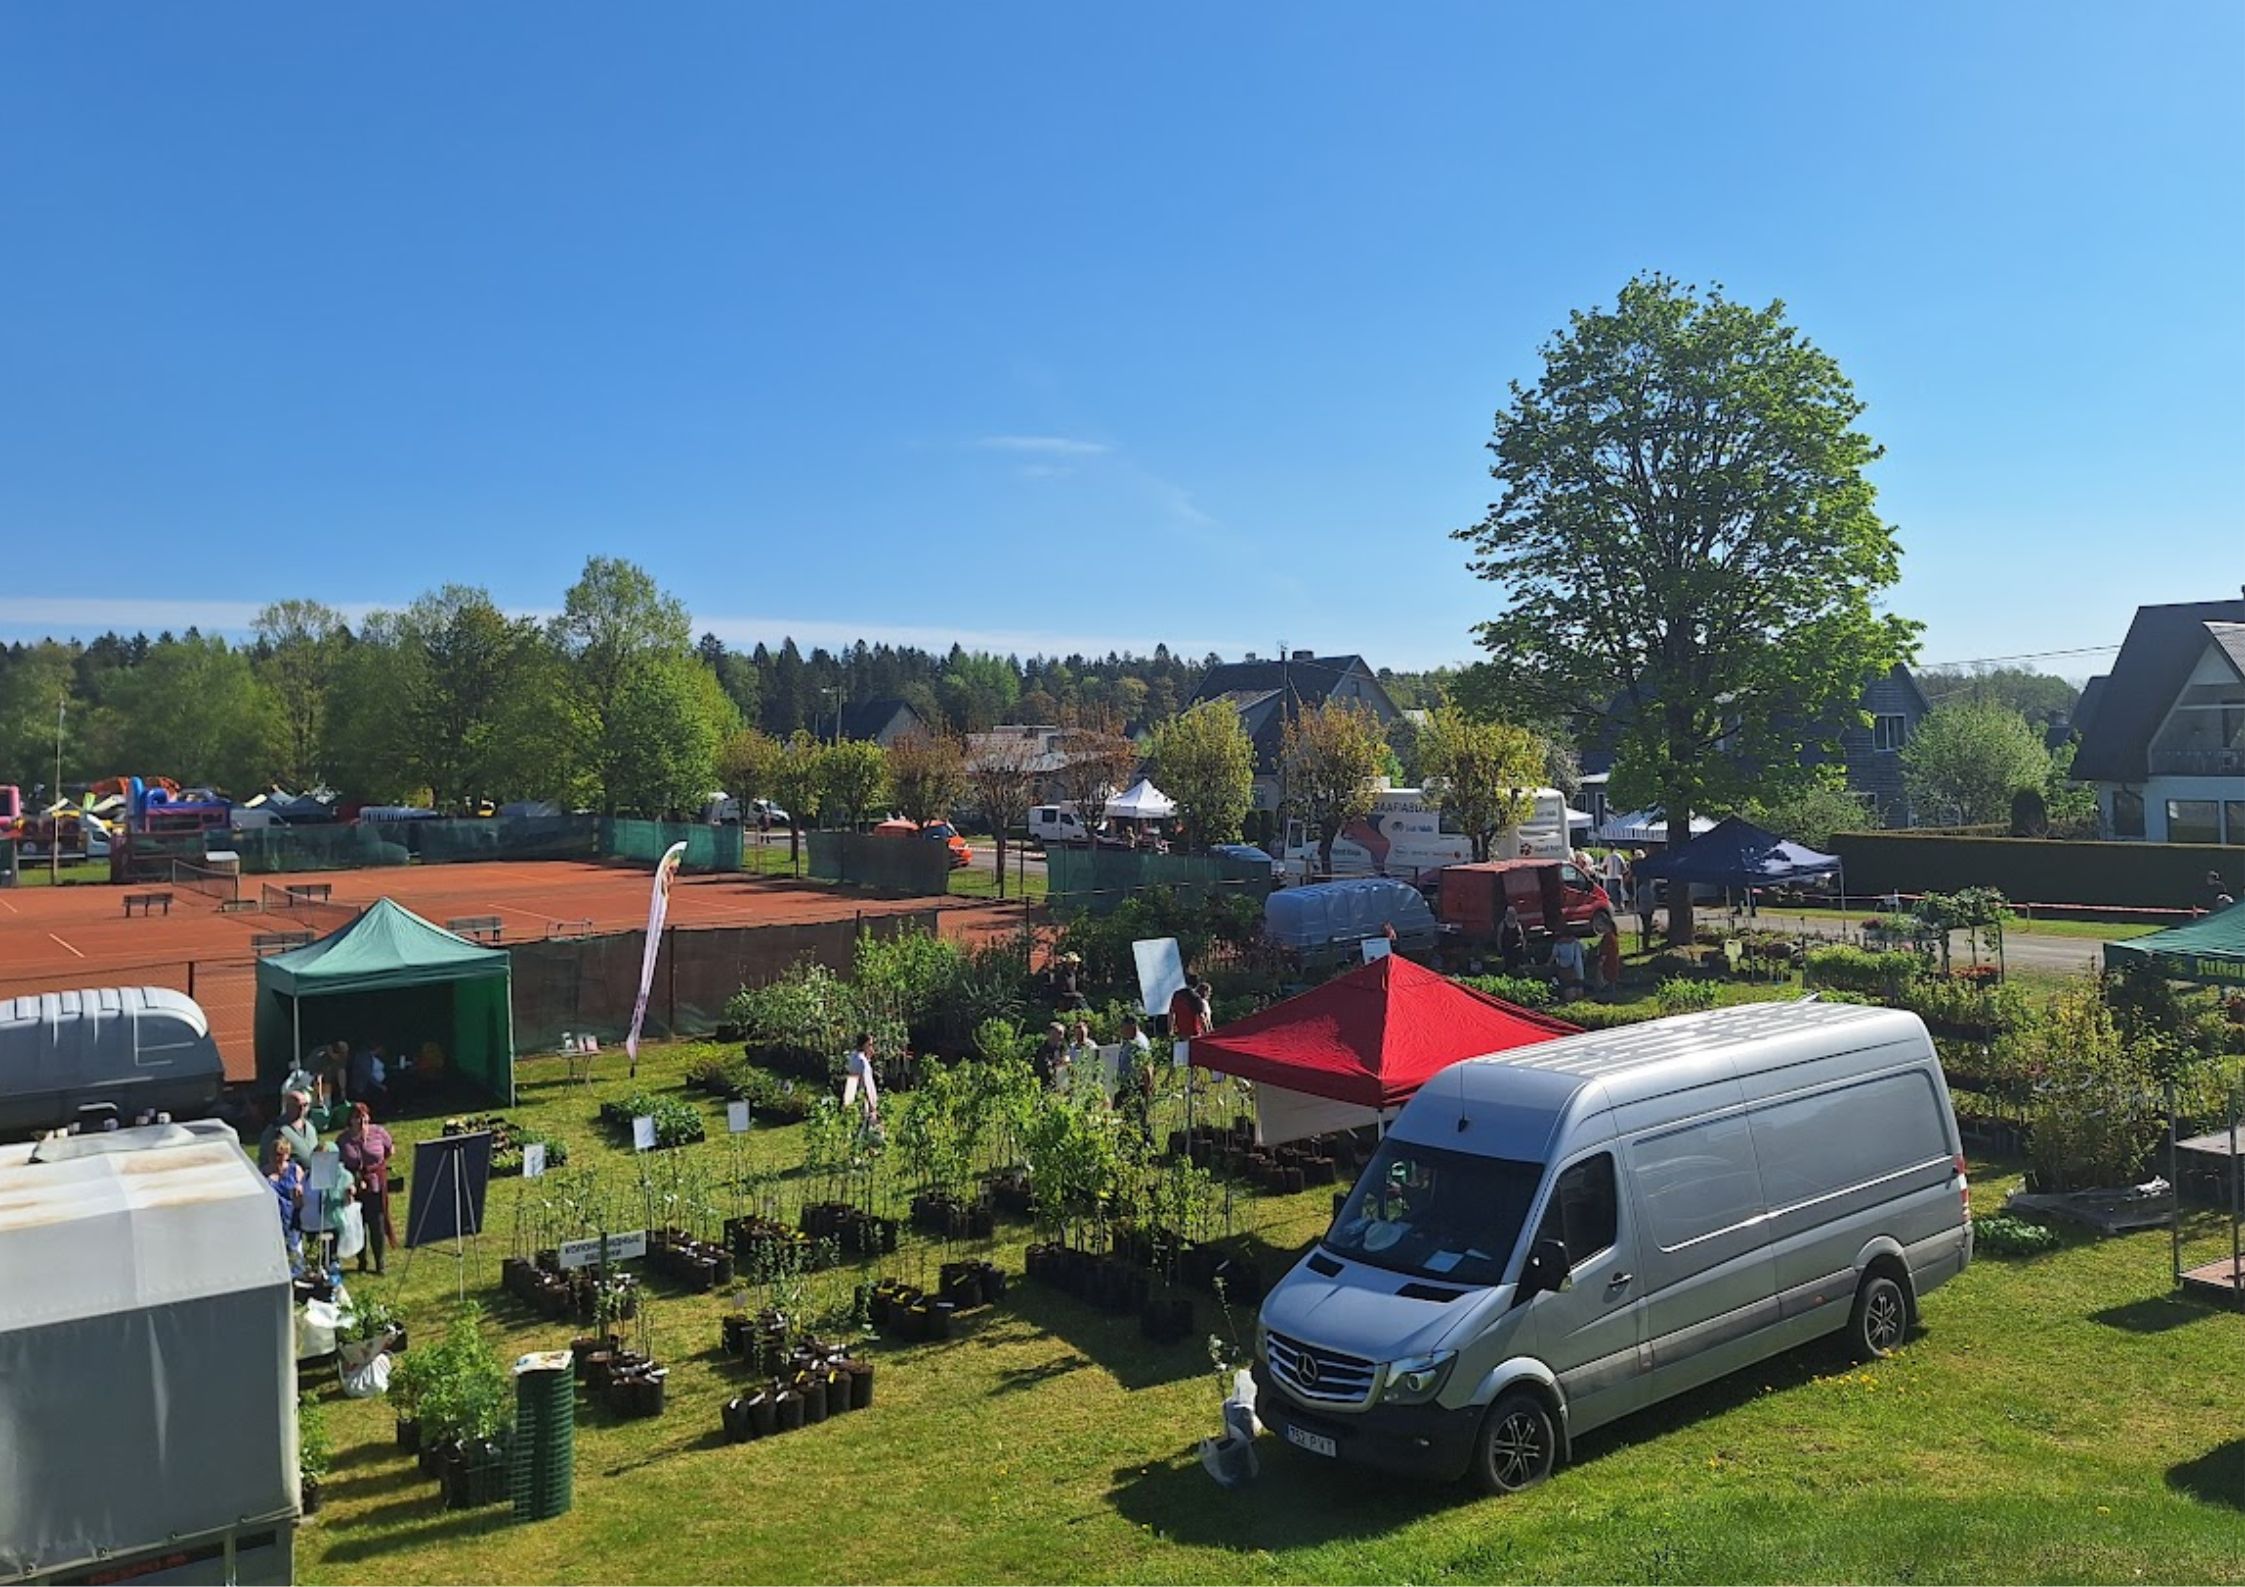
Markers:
{"x": 2032, "y": 655}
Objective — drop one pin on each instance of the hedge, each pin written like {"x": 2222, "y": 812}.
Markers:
{"x": 2038, "y": 870}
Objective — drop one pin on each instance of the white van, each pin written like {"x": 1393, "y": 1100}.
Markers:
{"x": 1554, "y": 1237}
{"x": 1057, "y": 824}
{"x": 1406, "y": 836}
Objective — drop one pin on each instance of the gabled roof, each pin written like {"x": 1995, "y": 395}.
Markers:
{"x": 2085, "y": 708}
{"x": 870, "y": 718}
{"x": 2163, "y": 644}
{"x": 1261, "y": 691}
{"x": 2230, "y": 637}
{"x": 388, "y": 946}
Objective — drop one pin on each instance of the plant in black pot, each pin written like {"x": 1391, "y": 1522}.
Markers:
{"x": 315, "y": 1454}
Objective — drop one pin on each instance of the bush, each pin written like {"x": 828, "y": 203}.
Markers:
{"x": 2094, "y": 1113}
{"x": 315, "y": 1453}
{"x": 677, "y": 1121}
{"x": 1881, "y": 974}
{"x": 462, "y": 1391}
{"x": 1965, "y": 1005}
{"x": 1678, "y": 996}
{"x": 1524, "y": 990}
{"x": 2004, "y": 1235}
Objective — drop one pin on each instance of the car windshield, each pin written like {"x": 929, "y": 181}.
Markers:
{"x": 1435, "y": 1213}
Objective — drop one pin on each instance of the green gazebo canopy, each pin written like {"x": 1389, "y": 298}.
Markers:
{"x": 392, "y": 977}
{"x": 2210, "y": 950}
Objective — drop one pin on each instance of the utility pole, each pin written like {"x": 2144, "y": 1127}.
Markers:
{"x": 54, "y": 830}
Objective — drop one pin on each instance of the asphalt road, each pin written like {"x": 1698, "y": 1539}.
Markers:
{"x": 2021, "y": 950}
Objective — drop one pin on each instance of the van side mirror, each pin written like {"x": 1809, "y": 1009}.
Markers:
{"x": 1545, "y": 1270}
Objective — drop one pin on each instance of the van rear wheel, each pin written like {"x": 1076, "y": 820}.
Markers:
{"x": 1881, "y": 1319}
{"x": 1518, "y": 1444}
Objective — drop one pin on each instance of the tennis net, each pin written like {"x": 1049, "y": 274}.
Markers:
{"x": 221, "y": 887}
{"x": 308, "y": 904}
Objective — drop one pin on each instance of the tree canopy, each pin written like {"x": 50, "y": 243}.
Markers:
{"x": 1966, "y": 760}
{"x": 1330, "y": 758}
{"x": 1482, "y": 775}
{"x": 1688, "y": 545}
{"x": 1203, "y": 760}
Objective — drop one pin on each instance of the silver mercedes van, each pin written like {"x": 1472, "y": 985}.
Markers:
{"x": 1553, "y": 1237}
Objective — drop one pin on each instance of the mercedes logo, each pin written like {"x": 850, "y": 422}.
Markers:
{"x": 1306, "y": 1370}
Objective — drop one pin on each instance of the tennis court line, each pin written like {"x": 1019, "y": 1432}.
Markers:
{"x": 10, "y": 908}
{"x": 51, "y": 937}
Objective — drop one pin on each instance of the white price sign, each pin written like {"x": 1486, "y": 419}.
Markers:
{"x": 586, "y": 1253}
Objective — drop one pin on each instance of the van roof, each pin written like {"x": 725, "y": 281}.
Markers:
{"x": 50, "y": 1008}
{"x": 1523, "y": 1098}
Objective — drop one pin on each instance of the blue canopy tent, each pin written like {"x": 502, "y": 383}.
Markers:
{"x": 1737, "y": 853}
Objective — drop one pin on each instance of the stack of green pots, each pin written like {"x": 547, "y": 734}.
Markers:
{"x": 545, "y": 1435}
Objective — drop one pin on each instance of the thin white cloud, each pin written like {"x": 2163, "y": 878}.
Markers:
{"x": 1044, "y": 445}
{"x": 86, "y": 616}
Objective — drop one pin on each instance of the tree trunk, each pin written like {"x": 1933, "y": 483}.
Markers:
{"x": 1325, "y": 851}
{"x": 1001, "y": 837}
{"x": 1677, "y": 813}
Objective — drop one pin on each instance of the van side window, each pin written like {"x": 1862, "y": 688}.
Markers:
{"x": 1698, "y": 1181}
{"x": 1835, "y": 1140}
{"x": 1582, "y": 1212}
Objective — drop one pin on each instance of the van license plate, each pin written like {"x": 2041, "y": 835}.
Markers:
{"x": 1315, "y": 1443}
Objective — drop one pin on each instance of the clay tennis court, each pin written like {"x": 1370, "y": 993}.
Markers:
{"x": 76, "y": 933}
{"x": 63, "y": 938}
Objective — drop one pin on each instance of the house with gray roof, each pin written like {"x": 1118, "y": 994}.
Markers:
{"x": 1269, "y": 694}
{"x": 2163, "y": 733}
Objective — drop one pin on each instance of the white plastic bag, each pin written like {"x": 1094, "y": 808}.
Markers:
{"x": 363, "y": 1380}
{"x": 350, "y": 1231}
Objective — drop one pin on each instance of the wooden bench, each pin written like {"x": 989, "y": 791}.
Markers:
{"x": 147, "y": 902}
{"x": 483, "y": 928}
{"x": 311, "y": 892}
{"x": 278, "y": 941}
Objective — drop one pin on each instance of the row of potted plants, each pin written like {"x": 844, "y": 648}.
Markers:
{"x": 507, "y": 1141}
{"x": 626, "y": 1383}
{"x": 701, "y": 1265}
{"x": 454, "y": 1407}
{"x": 816, "y": 1387}
{"x": 560, "y": 1296}
{"x": 853, "y": 1230}
{"x": 677, "y": 1121}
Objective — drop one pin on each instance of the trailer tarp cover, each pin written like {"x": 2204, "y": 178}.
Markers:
{"x": 147, "y": 1360}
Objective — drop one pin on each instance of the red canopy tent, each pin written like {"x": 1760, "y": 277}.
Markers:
{"x": 1366, "y": 1041}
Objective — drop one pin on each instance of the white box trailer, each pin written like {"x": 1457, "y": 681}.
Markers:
{"x": 1405, "y": 836}
{"x": 147, "y": 1362}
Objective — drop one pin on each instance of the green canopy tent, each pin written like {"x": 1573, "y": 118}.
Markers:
{"x": 2211, "y": 949}
{"x": 392, "y": 977}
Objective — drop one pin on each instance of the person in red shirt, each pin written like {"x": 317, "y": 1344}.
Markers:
{"x": 1189, "y": 1012}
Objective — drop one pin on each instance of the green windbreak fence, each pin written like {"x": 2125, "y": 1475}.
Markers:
{"x": 891, "y": 865}
{"x": 359, "y": 845}
{"x": 1098, "y": 880}
{"x": 708, "y": 848}
{"x": 585, "y": 985}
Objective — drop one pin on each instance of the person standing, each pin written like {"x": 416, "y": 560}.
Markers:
{"x": 1566, "y": 958}
{"x": 858, "y": 1088}
{"x": 1609, "y": 959}
{"x": 286, "y": 1177}
{"x": 1051, "y": 1061}
{"x": 296, "y": 1127}
{"x": 1189, "y": 1011}
{"x": 1512, "y": 939}
{"x": 1646, "y": 904}
{"x": 366, "y": 1148}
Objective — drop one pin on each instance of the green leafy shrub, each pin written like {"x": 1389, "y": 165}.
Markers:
{"x": 1524, "y": 990}
{"x": 2095, "y": 1110}
{"x": 461, "y": 1389}
{"x": 2004, "y": 1235}
{"x": 1679, "y": 996}
{"x": 315, "y": 1451}
{"x": 1885, "y": 973}
{"x": 1966, "y": 1004}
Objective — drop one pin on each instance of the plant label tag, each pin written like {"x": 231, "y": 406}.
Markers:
{"x": 1375, "y": 948}
{"x": 736, "y": 1117}
{"x": 1180, "y": 1055}
{"x": 643, "y": 1133}
{"x": 534, "y": 1159}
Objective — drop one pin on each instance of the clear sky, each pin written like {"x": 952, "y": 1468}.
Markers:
{"x": 1062, "y": 326}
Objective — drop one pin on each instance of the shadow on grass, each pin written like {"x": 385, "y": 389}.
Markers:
{"x": 1780, "y": 1374}
{"x": 1113, "y": 1343}
{"x": 2155, "y": 1314}
{"x": 1025, "y": 1378}
{"x": 443, "y": 1526}
{"x": 712, "y": 1437}
{"x": 2216, "y": 1477}
{"x": 1299, "y": 1501}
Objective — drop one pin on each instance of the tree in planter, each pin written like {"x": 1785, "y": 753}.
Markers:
{"x": 1482, "y": 775}
{"x": 1965, "y": 761}
{"x": 927, "y": 775}
{"x": 1329, "y": 761}
{"x": 1004, "y": 777}
{"x": 1689, "y": 546}
{"x": 1204, "y": 761}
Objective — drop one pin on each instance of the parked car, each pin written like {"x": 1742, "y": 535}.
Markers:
{"x": 105, "y": 1053}
{"x": 1550, "y": 895}
{"x": 940, "y": 831}
{"x": 1559, "y": 1235}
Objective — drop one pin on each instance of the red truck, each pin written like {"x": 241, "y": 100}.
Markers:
{"x": 1548, "y": 893}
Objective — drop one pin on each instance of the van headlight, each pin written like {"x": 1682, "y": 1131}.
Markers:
{"x": 1416, "y": 1379}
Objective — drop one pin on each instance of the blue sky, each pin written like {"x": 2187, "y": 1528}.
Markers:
{"x": 1054, "y": 326}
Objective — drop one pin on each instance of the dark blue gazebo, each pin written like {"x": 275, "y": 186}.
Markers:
{"x": 1737, "y": 853}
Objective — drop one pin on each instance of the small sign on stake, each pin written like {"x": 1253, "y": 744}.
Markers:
{"x": 533, "y": 1159}
{"x": 586, "y": 1252}
{"x": 643, "y": 1133}
{"x": 736, "y": 1117}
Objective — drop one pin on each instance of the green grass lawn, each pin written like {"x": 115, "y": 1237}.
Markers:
{"x": 34, "y": 873}
{"x": 2059, "y": 1419}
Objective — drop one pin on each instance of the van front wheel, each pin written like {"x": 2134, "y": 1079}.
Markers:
{"x": 1518, "y": 1444}
{"x": 1881, "y": 1318}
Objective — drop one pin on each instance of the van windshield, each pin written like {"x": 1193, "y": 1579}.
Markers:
{"x": 1436, "y": 1213}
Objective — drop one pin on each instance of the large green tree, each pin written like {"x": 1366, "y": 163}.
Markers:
{"x": 1482, "y": 775}
{"x": 1965, "y": 761}
{"x": 1203, "y": 760}
{"x": 1812, "y": 811}
{"x": 33, "y": 685}
{"x": 195, "y": 711}
{"x": 1329, "y": 761}
{"x": 661, "y": 735}
{"x": 299, "y": 642}
{"x": 1689, "y": 546}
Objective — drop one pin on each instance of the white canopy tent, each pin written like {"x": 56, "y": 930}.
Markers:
{"x": 1142, "y": 801}
{"x": 1643, "y": 826}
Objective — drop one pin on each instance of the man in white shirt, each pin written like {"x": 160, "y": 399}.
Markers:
{"x": 1566, "y": 958}
{"x": 858, "y": 1089}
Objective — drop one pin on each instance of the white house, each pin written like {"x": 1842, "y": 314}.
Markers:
{"x": 2164, "y": 735}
